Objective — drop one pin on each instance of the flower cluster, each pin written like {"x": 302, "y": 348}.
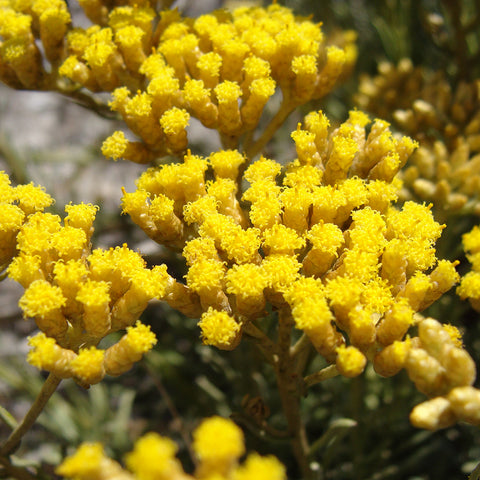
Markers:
{"x": 218, "y": 445}
{"x": 17, "y": 204}
{"x": 442, "y": 370}
{"x": 469, "y": 287}
{"x": 327, "y": 245}
{"x": 22, "y": 25}
{"x": 446, "y": 121}
{"x": 162, "y": 69}
{"x": 331, "y": 246}
{"x": 76, "y": 295}
{"x": 221, "y": 69}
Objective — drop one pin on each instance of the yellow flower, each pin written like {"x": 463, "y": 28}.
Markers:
{"x": 44, "y": 302}
{"x": 219, "y": 329}
{"x": 120, "y": 357}
{"x": 95, "y": 298}
{"x": 260, "y": 468}
{"x": 350, "y": 361}
{"x": 218, "y": 443}
{"x": 153, "y": 458}
{"x": 46, "y": 354}
{"x": 89, "y": 462}
{"x": 88, "y": 365}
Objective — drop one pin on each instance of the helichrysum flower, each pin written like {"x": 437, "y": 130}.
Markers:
{"x": 353, "y": 269}
{"x": 90, "y": 462}
{"x": 221, "y": 69}
{"x": 17, "y": 204}
{"x": 77, "y": 295}
{"x": 444, "y": 371}
{"x": 217, "y": 442}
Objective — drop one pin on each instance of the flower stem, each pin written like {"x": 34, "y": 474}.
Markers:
{"x": 264, "y": 344}
{"x": 286, "y": 108}
{"x": 8, "y": 418}
{"x": 48, "y": 388}
{"x": 323, "y": 374}
{"x": 290, "y": 392}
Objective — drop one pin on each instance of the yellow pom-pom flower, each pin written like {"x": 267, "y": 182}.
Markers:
{"x": 218, "y": 443}
{"x": 153, "y": 457}
{"x": 219, "y": 329}
{"x": 350, "y": 361}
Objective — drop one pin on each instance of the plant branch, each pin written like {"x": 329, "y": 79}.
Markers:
{"x": 260, "y": 429}
{"x": 285, "y": 109}
{"x": 475, "y": 475}
{"x": 290, "y": 393}
{"x": 16, "y": 472}
{"x": 8, "y": 418}
{"x": 301, "y": 351}
{"x": 265, "y": 345}
{"x": 336, "y": 431}
{"x": 48, "y": 389}
{"x": 323, "y": 374}
{"x": 89, "y": 102}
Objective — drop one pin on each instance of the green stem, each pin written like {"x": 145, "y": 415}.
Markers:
{"x": 8, "y": 418}
{"x": 290, "y": 393}
{"x": 475, "y": 475}
{"x": 286, "y": 108}
{"x": 264, "y": 344}
{"x": 48, "y": 388}
{"x": 323, "y": 374}
{"x": 301, "y": 352}
{"x": 357, "y": 396}
{"x": 460, "y": 47}
{"x": 336, "y": 431}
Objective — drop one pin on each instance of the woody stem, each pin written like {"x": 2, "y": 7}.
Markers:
{"x": 290, "y": 393}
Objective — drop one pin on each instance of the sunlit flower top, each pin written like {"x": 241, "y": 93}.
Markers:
{"x": 318, "y": 240}
{"x": 162, "y": 69}
{"x": 17, "y": 204}
{"x": 469, "y": 287}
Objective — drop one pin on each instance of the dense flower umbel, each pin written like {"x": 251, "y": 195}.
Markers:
{"x": 327, "y": 245}
{"x": 17, "y": 204}
{"x": 221, "y": 68}
{"x": 446, "y": 121}
{"x": 218, "y": 444}
{"x": 77, "y": 295}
